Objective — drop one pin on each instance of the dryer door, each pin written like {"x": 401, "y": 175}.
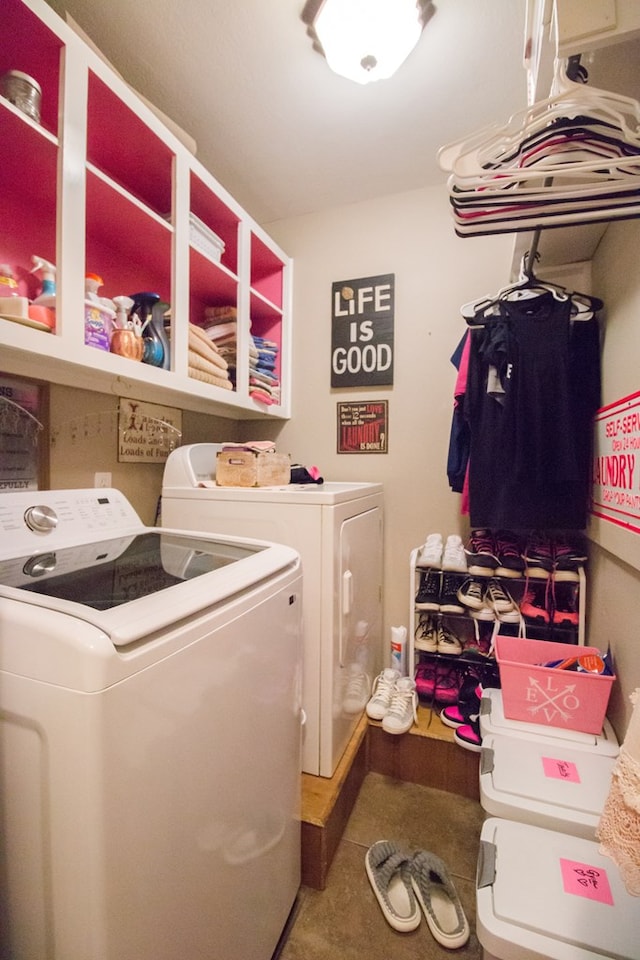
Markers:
{"x": 358, "y": 625}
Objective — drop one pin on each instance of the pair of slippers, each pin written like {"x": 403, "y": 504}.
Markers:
{"x": 405, "y": 883}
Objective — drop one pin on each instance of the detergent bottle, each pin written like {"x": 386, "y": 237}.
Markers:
{"x": 47, "y": 272}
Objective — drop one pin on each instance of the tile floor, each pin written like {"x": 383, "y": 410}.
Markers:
{"x": 344, "y": 920}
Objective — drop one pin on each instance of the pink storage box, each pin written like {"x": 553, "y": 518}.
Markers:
{"x": 545, "y": 695}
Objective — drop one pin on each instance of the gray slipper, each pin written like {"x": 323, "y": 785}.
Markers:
{"x": 440, "y": 903}
{"x": 389, "y": 870}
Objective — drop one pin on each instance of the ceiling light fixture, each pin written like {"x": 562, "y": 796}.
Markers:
{"x": 365, "y": 40}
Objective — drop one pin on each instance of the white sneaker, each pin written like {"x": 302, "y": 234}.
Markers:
{"x": 403, "y": 710}
{"x": 384, "y": 687}
{"x": 431, "y": 553}
{"x": 455, "y": 557}
{"x": 425, "y": 637}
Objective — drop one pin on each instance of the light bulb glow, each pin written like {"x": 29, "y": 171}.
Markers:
{"x": 365, "y": 40}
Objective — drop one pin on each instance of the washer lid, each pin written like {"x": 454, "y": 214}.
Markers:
{"x": 493, "y": 721}
{"x": 551, "y": 777}
{"x": 131, "y": 586}
{"x": 545, "y": 891}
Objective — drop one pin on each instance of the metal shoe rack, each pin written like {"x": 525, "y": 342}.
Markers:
{"x": 467, "y": 629}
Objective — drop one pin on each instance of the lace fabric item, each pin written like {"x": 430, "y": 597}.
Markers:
{"x": 618, "y": 831}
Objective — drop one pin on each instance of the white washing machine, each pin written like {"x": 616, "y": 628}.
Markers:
{"x": 337, "y": 528}
{"x": 149, "y": 735}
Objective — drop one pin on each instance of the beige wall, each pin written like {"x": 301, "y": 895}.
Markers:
{"x": 615, "y": 559}
{"x": 410, "y": 235}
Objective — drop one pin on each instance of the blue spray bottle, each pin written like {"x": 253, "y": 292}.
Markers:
{"x": 150, "y": 312}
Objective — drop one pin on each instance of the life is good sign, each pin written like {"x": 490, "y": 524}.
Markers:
{"x": 362, "y": 318}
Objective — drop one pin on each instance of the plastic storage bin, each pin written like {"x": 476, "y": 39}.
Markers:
{"x": 546, "y": 894}
{"x": 493, "y": 721}
{"x": 546, "y": 784}
{"x": 548, "y": 696}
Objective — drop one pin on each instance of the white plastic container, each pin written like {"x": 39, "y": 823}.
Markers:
{"x": 493, "y": 721}
{"x": 543, "y": 783}
{"x": 544, "y": 894}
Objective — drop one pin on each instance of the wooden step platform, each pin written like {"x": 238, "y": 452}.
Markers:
{"x": 427, "y": 755}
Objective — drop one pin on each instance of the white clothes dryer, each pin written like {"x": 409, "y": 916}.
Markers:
{"x": 337, "y": 528}
{"x": 149, "y": 735}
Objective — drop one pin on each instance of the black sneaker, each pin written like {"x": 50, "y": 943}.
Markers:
{"x": 428, "y": 595}
{"x": 481, "y": 558}
{"x": 567, "y": 560}
{"x": 471, "y": 593}
{"x": 449, "y": 602}
{"x": 509, "y": 552}
{"x": 538, "y": 558}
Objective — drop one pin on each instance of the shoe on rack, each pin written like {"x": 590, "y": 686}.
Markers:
{"x": 403, "y": 709}
{"x": 533, "y": 605}
{"x": 447, "y": 686}
{"x": 384, "y": 687}
{"x": 508, "y": 548}
{"x": 448, "y": 642}
{"x": 426, "y": 635}
{"x": 483, "y": 612}
{"x": 481, "y": 558}
{"x": 454, "y": 558}
{"x": 470, "y": 593}
{"x": 565, "y": 604}
{"x": 538, "y": 557}
{"x": 428, "y": 595}
{"x": 567, "y": 560}
{"x": 497, "y": 598}
{"x": 449, "y": 601}
{"x": 426, "y": 676}
{"x": 431, "y": 553}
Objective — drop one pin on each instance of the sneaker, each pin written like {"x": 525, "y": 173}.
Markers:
{"x": 454, "y": 558}
{"x": 497, "y": 598}
{"x": 431, "y": 553}
{"x": 449, "y": 602}
{"x": 538, "y": 558}
{"x": 565, "y": 605}
{"x": 533, "y": 605}
{"x": 426, "y": 637}
{"x": 448, "y": 642}
{"x": 468, "y": 736}
{"x": 509, "y": 552}
{"x": 484, "y": 612}
{"x": 467, "y": 706}
{"x": 384, "y": 687}
{"x": 403, "y": 709}
{"x": 425, "y": 676}
{"x": 567, "y": 560}
{"x": 470, "y": 593}
{"x": 447, "y": 687}
{"x": 428, "y": 595}
{"x": 481, "y": 558}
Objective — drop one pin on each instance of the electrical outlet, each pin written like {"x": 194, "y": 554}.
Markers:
{"x": 102, "y": 479}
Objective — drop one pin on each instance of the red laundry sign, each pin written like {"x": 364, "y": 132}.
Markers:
{"x": 616, "y": 463}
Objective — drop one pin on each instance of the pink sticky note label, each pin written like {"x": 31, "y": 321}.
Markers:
{"x": 560, "y": 769}
{"x": 586, "y": 881}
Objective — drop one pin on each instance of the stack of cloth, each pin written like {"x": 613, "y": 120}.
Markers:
{"x": 221, "y": 326}
{"x": 264, "y": 384}
{"x": 205, "y": 362}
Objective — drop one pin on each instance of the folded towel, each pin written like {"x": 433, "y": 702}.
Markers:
{"x": 209, "y": 378}
{"x": 206, "y": 350}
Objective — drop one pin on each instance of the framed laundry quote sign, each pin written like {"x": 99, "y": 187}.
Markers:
{"x": 363, "y": 427}
{"x": 362, "y": 321}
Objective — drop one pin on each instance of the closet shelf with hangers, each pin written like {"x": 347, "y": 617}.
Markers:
{"x": 571, "y": 159}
